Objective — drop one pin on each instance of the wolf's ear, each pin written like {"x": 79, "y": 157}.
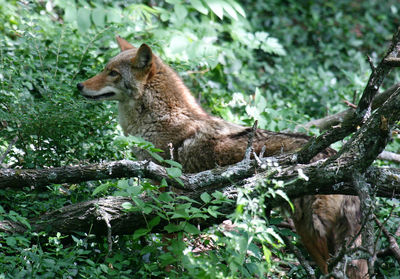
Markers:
{"x": 143, "y": 57}
{"x": 123, "y": 44}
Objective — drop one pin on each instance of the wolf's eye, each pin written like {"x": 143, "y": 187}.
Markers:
{"x": 113, "y": 73}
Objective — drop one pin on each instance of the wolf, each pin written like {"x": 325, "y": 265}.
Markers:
{"x": 154, "y": 103}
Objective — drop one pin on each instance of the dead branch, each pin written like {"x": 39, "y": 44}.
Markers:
{"x": 389, "y": 156}
{"x": 306, "y": 265}
{"x": 249, "y": 149}
{"x": 393, "y": 246}
{"x": 336, "y": 119}
{"x": 387, "y": 179}
{"x": 362, "y": 113}
{"x": 367, "y": 231}
{"x": 4, "y": 155}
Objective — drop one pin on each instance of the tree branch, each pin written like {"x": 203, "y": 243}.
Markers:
{"x": 349, "y": 125}
{"x": 393, "y": 246}
{"x": 336, "y": 119}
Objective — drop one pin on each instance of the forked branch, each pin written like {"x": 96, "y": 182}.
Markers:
{"x": 363, "y": 111}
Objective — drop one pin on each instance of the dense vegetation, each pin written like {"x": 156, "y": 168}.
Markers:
{"x": 280, "y": 62}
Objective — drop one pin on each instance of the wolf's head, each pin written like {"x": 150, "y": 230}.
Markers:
{"x": 124, "y": 76}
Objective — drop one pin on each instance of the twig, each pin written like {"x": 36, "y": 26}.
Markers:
{"x": 106, "y": 217}
{"x": 259, "y": 162}
{"x": 249, "y": 148}
{"x": 371, "y": 63}
{"x": 307, "y": 267}
{"x": 351, "y": 105}
{"x": 393, "y": 246}
{"x": 86, "y": 49}
{"x": 171, "y": 151}
{"x": 202, "y": 72}
{"x": 382, "y": 225}
{"x": 58, "y": 51}
{"x": 2, "y": 157}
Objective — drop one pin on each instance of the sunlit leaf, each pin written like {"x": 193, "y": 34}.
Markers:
{"x": 83, "y": 18}
{"x": 205, "y": 197}
{"x": 99, "y": 16}
{"x": 199, "y": 6}
{"x": 217, "y": 6}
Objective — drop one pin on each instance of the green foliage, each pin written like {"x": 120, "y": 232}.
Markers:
{"x": 280, "y": 62}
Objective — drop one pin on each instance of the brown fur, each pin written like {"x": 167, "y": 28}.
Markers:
{"x": 155, "y": 105}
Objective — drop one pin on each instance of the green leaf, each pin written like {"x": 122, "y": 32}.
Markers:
{"x": 24, "y": 221}
{"x": 156, "y": 156}
{"x": 140, "y": 232}
{"x": 212, "y": 211}
{"x": 282, "y": 194}
{"x": 178, "y": 44}
{"x": 174, "y": 172}
{"x": 180, "y": 12}
{"x": 165, "y": 197}
{"x": 185, "y": 198}
{"x": 239, "y": 208}
{"x": 189, "y": 228}
{"x": 83, "y": 19}
{"x": 237, "y": 7}
{"x": 11, "y": 241}
{"x": 104, "y": 268}
{"x": 70, "y": 13}
{"x": 198, "y": 5}
{"x": 230, "y": 10}
{"x": 272, "y": 45}
{"x": 138, "y": 202}
{"x": 180, "y": 214}
{"x": 147, "y": 209}
{"x": 123, "y": 184}
{"x": 99, "y": 16}
{"x": 154, "y": 222}
{"x": 217, "y": 7}
{"x": 205, "y": 197}
{"x": 114, "y": 15}
{"x": 121, "y": 141}
{"x": 101, "y": 188}
{"x": 170, "y": 228}
{"x": 127, "y": 205}
{"x": 134, "y": 190}
{"x": 272, "y": 232}
{"x": 177, "y": 179}
{"x": 267, "y": 254}
{"x": 173, "y": 164}
{"x": 218, "y": 195}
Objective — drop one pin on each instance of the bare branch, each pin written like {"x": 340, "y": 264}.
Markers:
{"x": 336, "y": 119}
{"x": 249, "y": 149}
{"x": 389, "y": 156}
{"x": 306, "y": 265}
{"x": 393, "y": 61}
{"x": 362, "y": 113}
{"x": 393, "y": 246}
{"x": 367, "y": 206}
{"x": 4, "y": 155}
